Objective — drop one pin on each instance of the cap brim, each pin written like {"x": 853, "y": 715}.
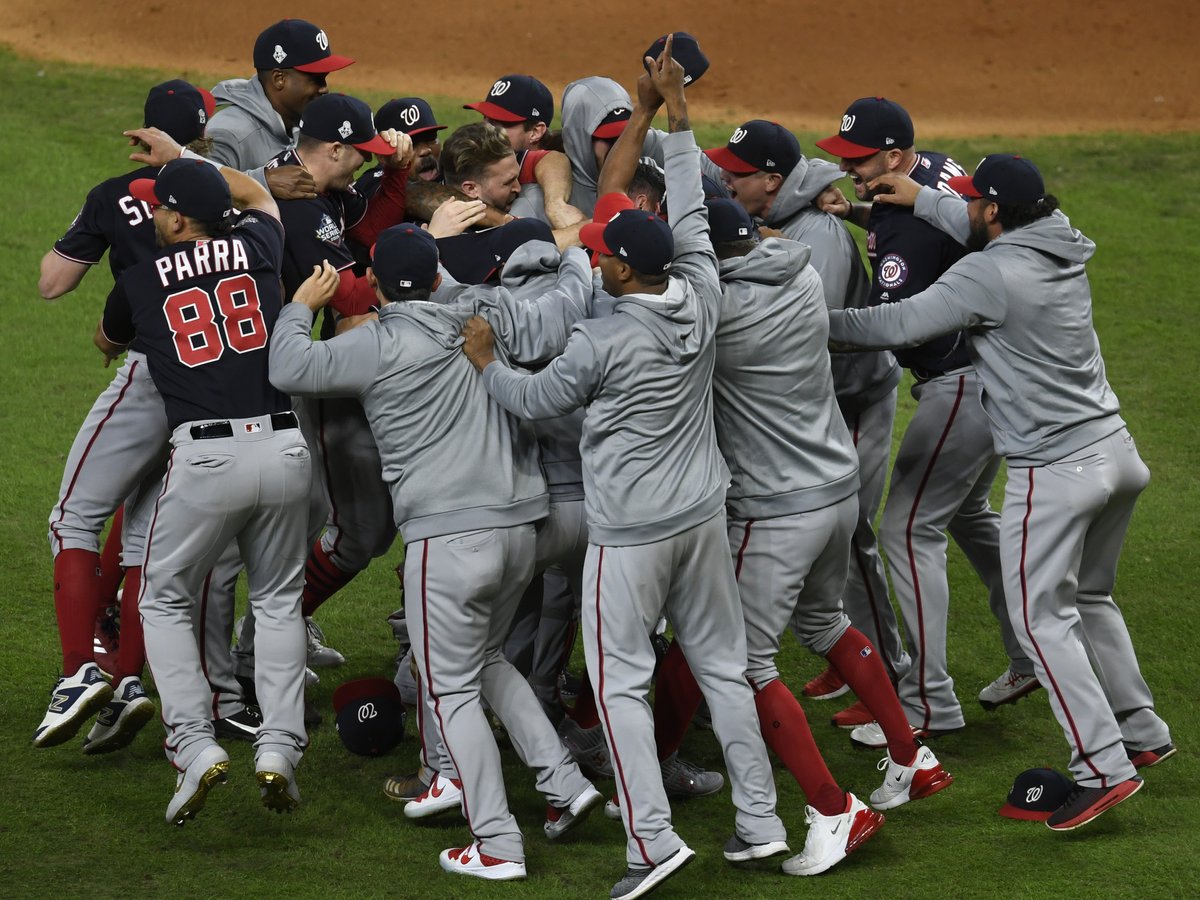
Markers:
{"x": 962, "y": 184}
{"x": 1026, "y": 815}
{"x": 330, "y": 63}
{"x": 428, "y": 128}
{"x": 840, "y": 147}
{"x": 610, "y": 130}
{"x": 592, "y": 237}
{"x": 210, "y": 102}
{"x": 730, "y": 161}
{"x": 492, "y": 111}
{"x": 349, "y": 691}
{"x": 143, "y": 189}
{"x": 376, "y": 145}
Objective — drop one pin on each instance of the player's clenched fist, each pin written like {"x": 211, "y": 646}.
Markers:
{"x": 318, "y": 289}
{"x": 479, "y": 345}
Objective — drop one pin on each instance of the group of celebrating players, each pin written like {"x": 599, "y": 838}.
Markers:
{"x": 587, "y": 376}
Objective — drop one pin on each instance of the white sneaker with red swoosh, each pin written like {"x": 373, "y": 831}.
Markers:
{"x": 442, "y": 795}
{"x": 471, "y": 861}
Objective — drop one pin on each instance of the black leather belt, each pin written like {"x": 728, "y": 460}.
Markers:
{"x": 279, "y": 421}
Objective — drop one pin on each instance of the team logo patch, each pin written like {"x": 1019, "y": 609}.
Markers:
{"x": 328, "y": 230}
{"x": 279, "y": 55}
{"x": 411, "y": 116}
{"x": 893, "y": 271}
{"x": 322, "y": 40}
{"x": 1034, "y": 794}
{"x": 739, "y": 134}
{"x": 203, "y": 117}
{"x": 499, "y": 88}
{"x": 253, "y": 427}
{"x": 847, "y": 123}
{"x": 345, "y": 129}
{"x": 367, "y": 711}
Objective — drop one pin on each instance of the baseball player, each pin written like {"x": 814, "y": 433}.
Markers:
{"x": 946, "y": 463}
{"x": 204, "y": 307}
{"x": 466, "y": 490}
{"x": 654, "y": 493}
{"x": 765, "y": 172}
{"x": 117, "y": 455}
{"x": 1074, "y": 474}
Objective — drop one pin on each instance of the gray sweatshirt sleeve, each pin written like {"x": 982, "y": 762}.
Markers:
{"x": 344, "y": 366}
{"x": 969, "y": 295}
{"x": 945, "y": 211}
{"x": 564, "y": 385}
{"x": 694, "y": 257}
{"x": 533, "y": 329}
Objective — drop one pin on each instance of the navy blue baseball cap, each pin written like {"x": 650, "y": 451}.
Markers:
{"x": 1002, "y": 178}
{"x": 370, "y": 715}
{"x": 686, "y": 51}
{"x": 1035, "y": 794}
{"x": 405, "y": 256}
{"x": 180, "y": 109}
{"x": 337, "y": 118}
{"x": 728, "y": 221}
{"x": 412, "y": 115}
{"x": 296, "y": 44}
{"x": 505, "y": 240}
{"x": 189, "y": 186}
{"x": 468, "y": 257}
{"x": 638, "y": 238}
{"x": 870, "y": 125}
{"x": 758, "y": 146}
{"x": 516, "y": 98}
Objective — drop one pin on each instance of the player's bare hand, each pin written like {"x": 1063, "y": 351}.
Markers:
{"x": 347, "y": 322}
{"x": 894, "y": 188}
{"x": 456, "y": 216}
{"x": 290, "y": 183}
{"x": 479, "y": 345}
{"x": 648, "y": 96}
{"x": 404, "y": 153}
{"x": 157, "y": 147}
{"x": 833, "y": 201}
{"x": 319, "y": 287}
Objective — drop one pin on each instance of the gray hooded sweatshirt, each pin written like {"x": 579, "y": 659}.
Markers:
{"x": 453, "y": 459}
{"x": 248, "y": 132}
{"x": 585, "y": 104}
{"x": 861, "y": 379}
{"x": 777, "y": 419}
{"x": 651, "y": 465}
{"x": 1026, "y": 306}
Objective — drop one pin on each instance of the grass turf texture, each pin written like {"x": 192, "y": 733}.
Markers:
{"x": 73, "y": 824}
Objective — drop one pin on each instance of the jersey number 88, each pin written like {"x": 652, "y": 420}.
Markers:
{"x": 192, "y": 318}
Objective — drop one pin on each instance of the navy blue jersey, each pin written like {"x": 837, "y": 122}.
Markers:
{"x": 316, "y": 229}
{"x": 908, "y": 255}
{"x": 203, "y": 312}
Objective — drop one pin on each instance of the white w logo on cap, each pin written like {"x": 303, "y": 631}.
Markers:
{"x": 322, "y": 41}
{"x": 738, "y": 135}
{"x": 848, "y": 122}
{"x": 411, "y": 116}
{"x": 500, "y": 87}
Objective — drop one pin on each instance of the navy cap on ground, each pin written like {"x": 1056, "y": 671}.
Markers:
{"x": 190, "y": 186}
{"x": 758, "y": 146}
{"x": 337, "y": 118}
{"x": 296, "y": 44}
{"x": 728, "y": 221}
{"x": 412, "y": 115}
{"x": 180, "y": 109}
{"x": 1003, "y": 178}
{"x": 516, "y": 98}
{"x": 686, "y": 51}
{"x": 1035, "y": 794}
{"x": 638, "y": 238}
{"x": 405, "y": 257}
{"x": 370, "y": 715}
{"x": 870, "y": 125}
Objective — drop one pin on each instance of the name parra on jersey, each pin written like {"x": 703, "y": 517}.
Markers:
{"x": 204, "y": 258}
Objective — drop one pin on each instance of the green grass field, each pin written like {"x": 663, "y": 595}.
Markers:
{"x": 73, "y": 825}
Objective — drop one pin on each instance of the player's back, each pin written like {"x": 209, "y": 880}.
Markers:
{"x": 111, "y": 219}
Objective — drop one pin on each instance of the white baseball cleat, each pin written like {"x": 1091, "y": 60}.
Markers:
{"x": 561, "y": 820}
{"x": 1008, "y": 688}
{"x": 443, "y": 794}
{"x": 832, "y": 838}
{"x": 320, "y": 654}
{"x": 192, "y": 785}
{"x": 276, "y": 779}
{"x": 471, "y": 861}
{"x": 923, "y": 778}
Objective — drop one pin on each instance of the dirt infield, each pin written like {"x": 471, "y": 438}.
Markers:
{"x": 969, "y": 67}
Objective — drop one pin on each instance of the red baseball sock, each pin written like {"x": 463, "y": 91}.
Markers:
{"x": 76, "y": 576}
{"x": 859, "y": 664}
{"x": 322, "y": 579}
{"x": 111, "y": 572}
{"x": 131, "y": 653}
{"x": 785, "y": 730}
{"x": 584, "y": 713}
{"x": 676, "y": 699}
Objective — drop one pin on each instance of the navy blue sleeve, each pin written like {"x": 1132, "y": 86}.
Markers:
{"x": 117, "y": 321}
{"x": 86, "y": 240}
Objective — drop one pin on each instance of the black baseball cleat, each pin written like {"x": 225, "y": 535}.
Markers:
{"x": 1144, "y": 759}
{"x": 242, "y": 726}
{"x": 1084, "y": 804}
